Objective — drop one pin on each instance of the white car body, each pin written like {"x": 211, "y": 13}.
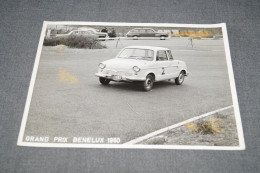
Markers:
{"x": 161, "y": 66}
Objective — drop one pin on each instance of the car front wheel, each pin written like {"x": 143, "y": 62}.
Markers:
{"x": 135, "y": 37}
{"x": 179, "y": 80}
{"x": 162, "y": 37}
{"x": 148, "y": 83}
{"x": 104, "y": 81}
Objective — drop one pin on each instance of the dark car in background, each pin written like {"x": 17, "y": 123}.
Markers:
{"x": 146, "y": 32}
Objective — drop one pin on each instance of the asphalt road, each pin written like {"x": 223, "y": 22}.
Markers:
{"x": 69, "y": 101}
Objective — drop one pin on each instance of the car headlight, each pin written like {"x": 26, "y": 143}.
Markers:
{"x": 101, "y": 65}
{"x": 136, "y": 69}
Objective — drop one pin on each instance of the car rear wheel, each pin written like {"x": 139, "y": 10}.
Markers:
{"x": 162, "y": 37}
{"x": 104, "y": 81}
{"x": 148, "y": 83}
{"x": 180, "y": 79}
{"x": 102, "y": 38}
{"x": 135, "y": 37}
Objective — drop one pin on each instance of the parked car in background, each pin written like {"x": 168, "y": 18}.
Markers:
{"x": 86, "y": 32}
{"x": 146, "y": 32}
{"x": 94, "y": 32}
{"x": 144, "y": 64}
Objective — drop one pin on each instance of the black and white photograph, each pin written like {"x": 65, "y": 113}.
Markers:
{"x": 132, "y": 85}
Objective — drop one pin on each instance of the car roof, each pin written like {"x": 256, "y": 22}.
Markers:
{"x": 148, "y": 47}
{"x": 82, "y": 30}
{"x": 141, "y": 28}
{"x": 85, "y": 28}
{"x": 77, "y": 30}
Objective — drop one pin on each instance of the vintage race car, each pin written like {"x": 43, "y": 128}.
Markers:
{"x": 144, "y": 64}
{"x": 146, "y": 32}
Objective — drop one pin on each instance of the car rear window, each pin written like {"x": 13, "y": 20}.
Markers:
{"x": 170, "y": 55}
{"x": 134, "y": 30}
{"x": 161, "y": 56}
{"x": 149, "y": 31}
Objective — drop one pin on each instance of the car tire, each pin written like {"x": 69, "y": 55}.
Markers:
{"x": 148, "y": 83}
{"x": 162, "y": 37}
{"x": 135, "y": 37}
{"x": 104, "y": 81}
{"x": 180, "y": 79}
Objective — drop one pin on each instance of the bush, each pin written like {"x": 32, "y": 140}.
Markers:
{"x": 74, "y": 41}
{"x": 206, "y": 126}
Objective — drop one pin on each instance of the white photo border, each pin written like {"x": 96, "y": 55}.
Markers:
{"x": 241, "y": 146}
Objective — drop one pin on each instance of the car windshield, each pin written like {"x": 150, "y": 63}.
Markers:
{"x": 140, "y": 54}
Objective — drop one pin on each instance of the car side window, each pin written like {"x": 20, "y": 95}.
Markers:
{"x": 149, "y": 55}
{"x": 161, "y": 56}
{"x": 149, "y": 31}
{"x": 170, "y": 55}
{"x": 142, "y": 30}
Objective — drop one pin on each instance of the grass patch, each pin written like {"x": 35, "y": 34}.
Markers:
{"x": 74, "y": 41}
{"x": 205, "y": 126}
{"x": 216, "y": 130}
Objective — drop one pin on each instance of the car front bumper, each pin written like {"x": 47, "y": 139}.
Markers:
{"x": 120, "y": 78}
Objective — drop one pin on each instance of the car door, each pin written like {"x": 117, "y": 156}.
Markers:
{"x": 161, "y": 64}
{"x": 136, "y": 32}
{"x": 173, "y": 66}
{"x": 142, "y": 33}
{"x": 150, "y": 33}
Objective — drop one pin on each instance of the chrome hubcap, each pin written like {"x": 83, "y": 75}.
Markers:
{"x": 181, "y": 78}
{"x": 148, "y": 83}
